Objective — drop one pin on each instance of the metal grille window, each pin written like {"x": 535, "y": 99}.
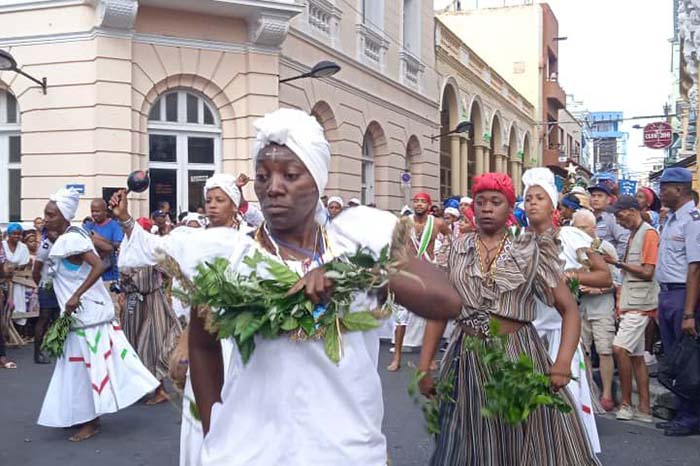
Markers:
{"x": 367, "y": 195}
{"x": 184, "y": 136}
{"x": 10, "y": 159}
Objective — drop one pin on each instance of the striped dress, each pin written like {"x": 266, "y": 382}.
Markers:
{"x": 148, "y": 321}
{"x": 528, "y": 267}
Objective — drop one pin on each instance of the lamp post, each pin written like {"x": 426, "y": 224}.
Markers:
{"x": 322, "y": 69}
{"x": 462, "y": 127}
{"x": 8, "y": 63}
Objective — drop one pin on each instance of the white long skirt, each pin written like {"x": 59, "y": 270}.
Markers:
{"x": 99, "y": 373}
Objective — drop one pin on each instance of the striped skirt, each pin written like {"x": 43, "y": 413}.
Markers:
{"x": 547, "y": 437}
{"x": 148, "y": 321}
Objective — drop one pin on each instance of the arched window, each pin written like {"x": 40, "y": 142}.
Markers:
{"x": 184, "y": 137}
{"x": 10, "y": 159}
{"x": 367, "y": 194}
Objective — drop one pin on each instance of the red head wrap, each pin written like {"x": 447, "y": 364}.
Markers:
{"x": 495, "y": 182}
{"x": 145, "y": 223}
{"x": 649, "y": 195}
{"x": 423, "y": 196}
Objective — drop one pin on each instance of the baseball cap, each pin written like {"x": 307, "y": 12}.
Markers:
{"x": 623, "y": 203}
{"x": 600, "y": 187}
{"x": 158, "y": 213}
{"x": 676, "y": 175}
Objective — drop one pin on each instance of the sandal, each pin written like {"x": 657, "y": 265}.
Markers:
{"x": 9, "y": 365}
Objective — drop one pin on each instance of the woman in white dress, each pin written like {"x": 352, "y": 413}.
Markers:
{"x": 17, "y": 258}
{"x": 541, "y": 198}
{"x": 290, "y": 404}
{"x": 99, "y": 372}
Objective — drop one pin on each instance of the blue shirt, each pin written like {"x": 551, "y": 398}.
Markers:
{"x": 112, "y": 232}
{"x": 680, "y": 244}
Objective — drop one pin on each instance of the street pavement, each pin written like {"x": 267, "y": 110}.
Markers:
{"x": 149, "y": 435}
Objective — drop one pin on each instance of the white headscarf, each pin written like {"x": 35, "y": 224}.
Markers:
{"x": 466, "y": 200}
{"x": 544, "y": 178}
{"x": 453, "y": 211}
{"x": 301, "y": 133}
{"x": 337, "y": 200}
{"x": 67, "y": 202}
{"x": 227, "y": 183}
{"x": 195, "y": 217}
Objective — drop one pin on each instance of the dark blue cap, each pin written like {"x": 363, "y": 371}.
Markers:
{"x": 600, "y": 187}
{"x": 158, "y": 213}
{"x": 676, "y": 175}
{"x": 624, "y": 203}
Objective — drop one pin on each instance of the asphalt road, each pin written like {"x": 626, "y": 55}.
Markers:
{"x": 149, "y": 435}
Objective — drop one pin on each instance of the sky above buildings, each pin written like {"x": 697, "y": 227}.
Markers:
{"x": 617, "y": 58}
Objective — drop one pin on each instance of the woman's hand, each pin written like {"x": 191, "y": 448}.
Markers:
{"x": 120, "y": 205}
{"x": 426, "y": 385}
{"x": 72, "y": 304}
{"x": 559, "y": 376}
{"x": 317, "y": 288}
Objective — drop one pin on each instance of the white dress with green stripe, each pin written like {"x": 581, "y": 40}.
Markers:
{"x": 99, "y": 372}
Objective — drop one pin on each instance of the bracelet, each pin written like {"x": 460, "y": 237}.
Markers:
{"x": 127, "y": 224}
{"x": 688, "y": 316}
{"x": 618, "y": 264}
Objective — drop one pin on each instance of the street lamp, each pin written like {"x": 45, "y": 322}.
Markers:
{"x": 322, "y": 69}
{"x": 8, "y": 63}
{"x": 462, "y": 127}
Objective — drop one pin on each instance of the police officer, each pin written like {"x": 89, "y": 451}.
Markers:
{"x": 607, "y": 227}
{"x": 678, "y": 274}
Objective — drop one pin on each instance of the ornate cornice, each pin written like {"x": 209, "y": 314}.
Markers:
{"x": 268, "y": 29}
{"x": 116, "y": 14}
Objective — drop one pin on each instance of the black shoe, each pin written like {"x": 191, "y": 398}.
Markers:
{"x": 41, "y": 358}
{"x": 664, "y": 425}
{"x": 678, "y": 430}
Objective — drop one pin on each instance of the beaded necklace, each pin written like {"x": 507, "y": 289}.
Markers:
{"x": 488, "y": 273}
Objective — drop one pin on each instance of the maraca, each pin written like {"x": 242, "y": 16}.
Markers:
{"x": 137, "y": 182}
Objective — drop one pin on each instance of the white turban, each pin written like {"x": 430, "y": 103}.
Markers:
{"x": 67, "y": 202}
{"x": 301, "y": 133}
{"x": 195, "y": 217}
{"x": 466, "y": 200}
{"x": 226, "y": 183}
{"x": 453, "y": 211}
{"x": 544, "y": 178}
{"x": 337, "y": 200}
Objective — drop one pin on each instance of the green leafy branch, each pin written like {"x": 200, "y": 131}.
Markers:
{"x": 56, "y": 335}
{"x": 444, "y": 393}
{"x": 514, "y": 388}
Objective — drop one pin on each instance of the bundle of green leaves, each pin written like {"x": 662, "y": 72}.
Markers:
{"x": 56, "y": 335}
{"x": 514, "y": 388}
{"x": 444, "y": 390}
{"x": 243, "y": 306}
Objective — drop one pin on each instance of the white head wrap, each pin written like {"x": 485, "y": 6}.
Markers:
{"x": 544, "y": 178}
{"x": 466, "y": 200}
{"x": 227, "y": 183}
{"x": 195, "y": 217}
{"x": 453, "y": 211}
{"x": 354, "y": 201}
{"x": 337, "y": 200}
{"x": 67, "y": 202}
{"x": 301, "y": 133}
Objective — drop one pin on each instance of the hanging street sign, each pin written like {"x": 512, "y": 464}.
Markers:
{"x": 658, "y": 135}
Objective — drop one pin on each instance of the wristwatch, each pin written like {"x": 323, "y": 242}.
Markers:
{"x": 618, "y": 264}
{"x": 688, "y": 316}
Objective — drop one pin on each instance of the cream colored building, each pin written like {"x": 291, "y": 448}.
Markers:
{"x": 176, "y": 85}
{"x": 521, "y": 42}
{"x": 502, "y": 119}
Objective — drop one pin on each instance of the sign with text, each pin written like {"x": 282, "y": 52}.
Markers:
{"x": 78, "y": 187}
{"x": 658, "y": 135}
{"x": 628, "y": 187}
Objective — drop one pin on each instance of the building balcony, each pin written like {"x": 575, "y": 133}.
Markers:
{"x": 551, "y": 157}
{"x": 555, "y": 94}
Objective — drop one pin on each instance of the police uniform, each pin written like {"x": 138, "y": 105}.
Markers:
{"x": 679, "y": 246}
